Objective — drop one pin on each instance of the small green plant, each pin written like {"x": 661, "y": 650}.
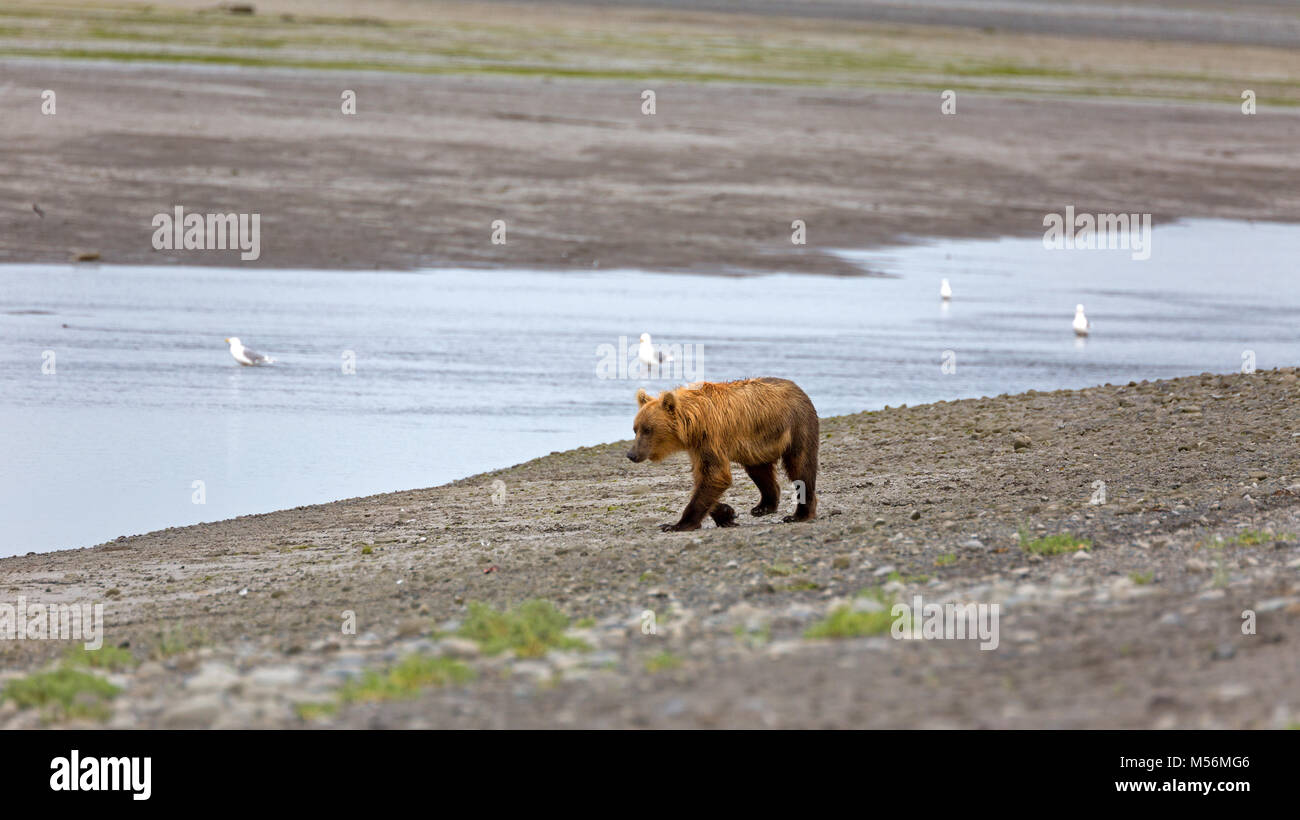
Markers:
{"x": 843, "y": 622}
{"x": 1247, "y": 538}
{"x": 907, "y": 579}
{"x": 406, "y": 679}
{"x": 801, "y": 585}
{"x": 1253, "y": 538}
{"x": 585, "y": 623}
{"x": 662, "y": 662}
{"x": 780, "y": 570}
{"x": 753, "y": 637}
{"x": 312, "y": 710}
{"x": 64, "y": 692}
{"x": 1221, "y": 576}
{"x": 947, "y": 559}
{"x": 1141, "y": 578}
{"x": 174, "y": 640}
{"x": 531, "y": 629}
{"x": 108, "y": 657}
{"x": 1052, "y": 544}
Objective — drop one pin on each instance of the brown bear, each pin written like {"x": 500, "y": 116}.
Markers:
{"x": 753, "y": 422}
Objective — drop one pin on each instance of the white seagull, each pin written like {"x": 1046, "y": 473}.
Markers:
{"x": 647, "y": 354}
{"x": 945, "y": 290}
{"x": 246, "y": 356}
{"x": 1081, "y": 323}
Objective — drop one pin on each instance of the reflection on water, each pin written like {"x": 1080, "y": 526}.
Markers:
{"x": 462, "y": 371}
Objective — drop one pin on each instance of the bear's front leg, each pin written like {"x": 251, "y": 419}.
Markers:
{"x": 712, "y": 478}
{"x": 724, "y": 515}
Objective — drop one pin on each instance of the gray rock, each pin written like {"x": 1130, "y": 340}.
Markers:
{"x": 1274, "y": 604}
{"x": 198, "y": 712}
{"x": 275, "y": 677}
{"x": 213, "y": 676}
{"x": 1224, "y": 652}
{"x": 458, "y": 648}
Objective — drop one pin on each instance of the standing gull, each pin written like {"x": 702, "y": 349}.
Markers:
{"x": 1081, "y": 323}
{"x": 650, "y": 357}
{"x": 246, "y": 356}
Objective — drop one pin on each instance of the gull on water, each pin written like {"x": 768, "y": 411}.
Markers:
{"x": 1081, "y": 323}
{"x": 945, "y": 290}
{"x": 647, "y": 354}
{"x": 246, "y": 356}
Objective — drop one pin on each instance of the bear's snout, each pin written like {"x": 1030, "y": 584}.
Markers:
{"x": 632, "y": 455}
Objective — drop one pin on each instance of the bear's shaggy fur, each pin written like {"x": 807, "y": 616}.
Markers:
{"x": 753, "y": 422}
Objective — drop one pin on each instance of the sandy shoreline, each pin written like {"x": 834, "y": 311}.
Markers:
{"x": 1200, "y": 524}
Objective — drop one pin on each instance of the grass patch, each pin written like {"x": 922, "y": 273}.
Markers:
{"x": 404, "y": 680}
{"x": 175, "y": 640}
{"x": 843, "y": 622}
{"x": 801, "y": 585}
{"x": 314, "y": 711}
{"x": 65, "y": 692}
{"x": 111, "y": 658}
{"x": 1141, "y": 578}
{"x": 1052, "y": 544}
{"x": 531, "y": 629}
{"x": 662, "y": 662}
{"x": 1249, "y": 538}
{"x": 947, "y": 559}
{"x": 753, "y": 637}
{"x": 907, "y": 579}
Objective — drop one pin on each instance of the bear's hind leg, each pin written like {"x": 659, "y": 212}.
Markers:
{"x": 801, "y": 466}
{"x": 769, "y": 490}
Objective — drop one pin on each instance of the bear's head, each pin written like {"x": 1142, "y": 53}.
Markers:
{"x": 657, "y": 427}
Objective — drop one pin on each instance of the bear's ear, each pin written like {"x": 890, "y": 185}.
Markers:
{"x": 642, "y": 397}
{"x": 668, "y": 401}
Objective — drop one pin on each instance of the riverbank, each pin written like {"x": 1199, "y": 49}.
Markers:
{"x": 242, "y": 622}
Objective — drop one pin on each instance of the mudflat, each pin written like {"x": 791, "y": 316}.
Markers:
{"x": 532, "y": 115}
